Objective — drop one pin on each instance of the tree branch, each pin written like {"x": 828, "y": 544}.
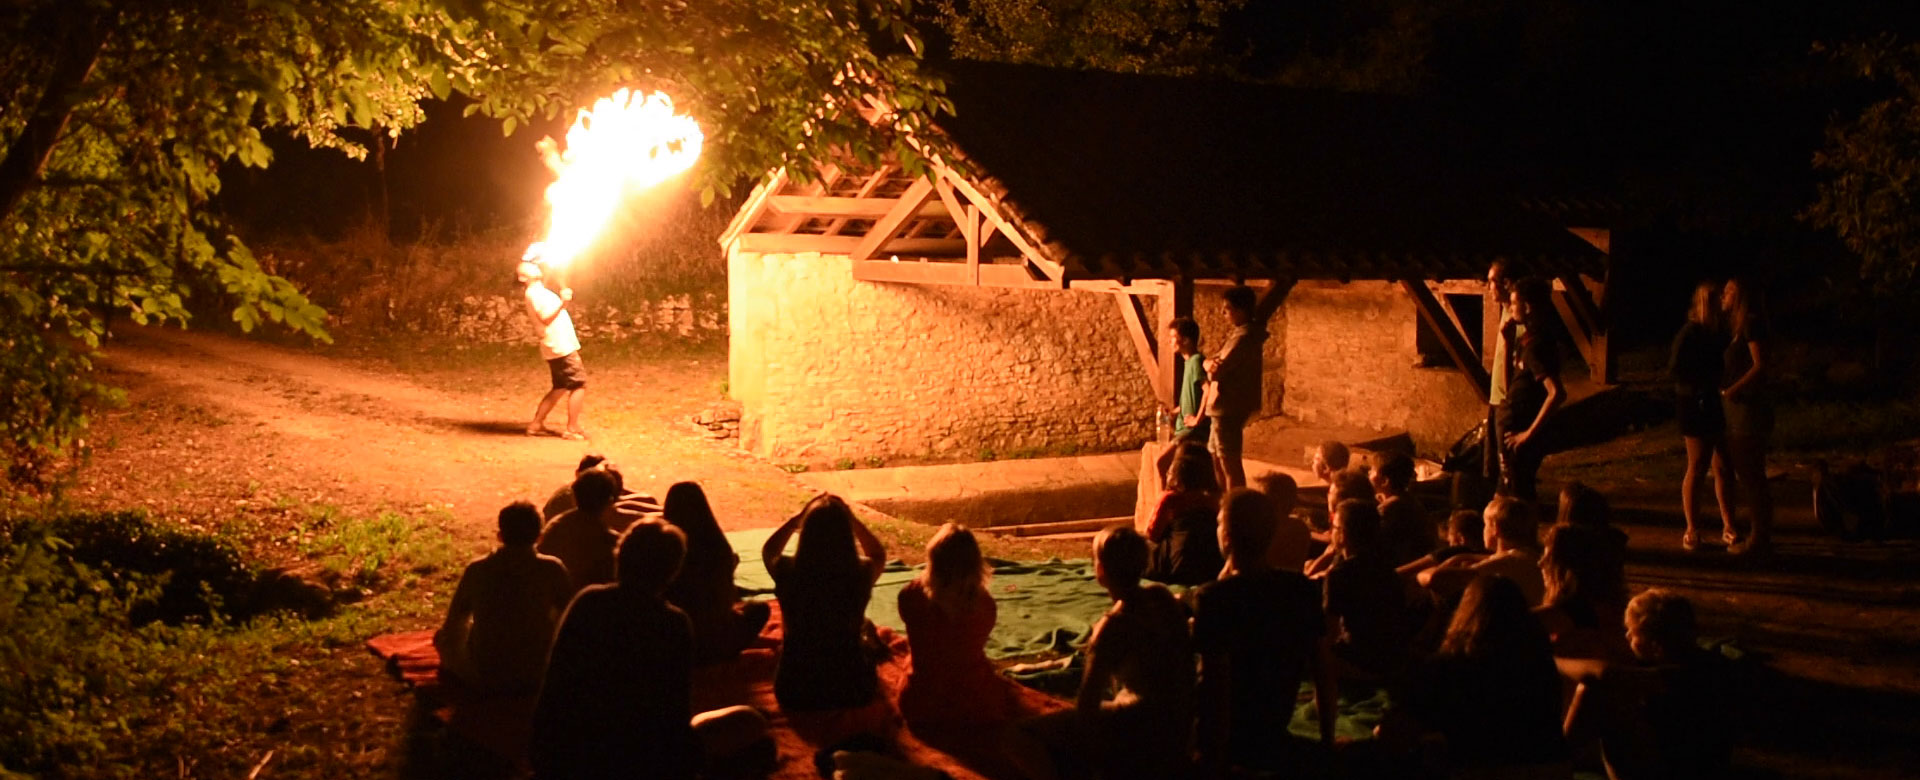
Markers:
{"x": 81, "y": 41}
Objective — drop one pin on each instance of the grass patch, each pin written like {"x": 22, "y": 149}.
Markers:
{"x": 1852, "y": 426}
{"x": 88, "y": 692}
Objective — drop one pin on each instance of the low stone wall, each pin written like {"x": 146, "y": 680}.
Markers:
{"x": 499, "y": 319}
{"x": 827, "y": 367}
{"x": 1353, "y": 361}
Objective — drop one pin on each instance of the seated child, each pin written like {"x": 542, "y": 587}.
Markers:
{"x": 1186, "y": 548}
{"x": 617, "y": 701}
{"x": 1329, "y": 458}
{"x": 1134, "y": 713}
{"x": 949, "y": 614}
{"x": 1667, "y": 714}
{"x": 1406, "y": 532}
{"x": 578, "y": 537}
{"x": 1349, "y": 485}
{"x": 1466, "y": 530}
{"x": 1586, "y": 594}
{"x": 1369, "y": 620}
{"x": 633, "y": 504}
{"x": 1513, "y": 542}
{"x": 504, "y": 611}
{"x": 722, "y": 623}
{"x": 1491, "y": 693}
{"x": 1258, "y": 630}
{"x": 1292, "y": 539}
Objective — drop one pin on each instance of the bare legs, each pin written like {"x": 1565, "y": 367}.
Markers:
{"x": 1702, "y": 454}
{"x": 1749, "y": 457}
{"x": 576, "y": 403}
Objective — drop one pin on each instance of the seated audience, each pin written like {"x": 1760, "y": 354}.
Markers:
{"x": 1292, "y": 539}
{"x": 1186, "y": 550}
{"x": 617, "y": 701}
{"x": 823, "y": 590}
{"x": 1583, "y": 506}
{"x": 504, "y": 611}
{"x": 1406, "y": 532}
{"x": 633, "y": 504}
{"x": 1133, "y": 716}
{"x": 1369, "y": 619}
{"x": 1329, "y": 458}
{"x": 1513, "y": 544}
{"x": 1466, "y": 535}
{"x": 1491, "y": 694}
{"x": 1586, "y": 594}
{"x": 1258, "y": 630}
{"x": 1349, "y": 485}
{"x": 722, "y": 623}
{"x": 578, "y": 537}
{"x": 1667, "y": 715}
{"x": 949, "y": 614}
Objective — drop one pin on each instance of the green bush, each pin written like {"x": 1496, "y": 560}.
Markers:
{"x": 195, "y": 576}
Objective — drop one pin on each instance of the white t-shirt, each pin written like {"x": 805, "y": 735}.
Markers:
{"x": 556, "y": 338}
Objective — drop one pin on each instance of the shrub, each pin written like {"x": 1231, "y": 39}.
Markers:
{"x": 194, "y": 576}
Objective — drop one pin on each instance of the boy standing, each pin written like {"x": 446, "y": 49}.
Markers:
{"x": 1236, "y": 375}
{"x": 560, "y": 348}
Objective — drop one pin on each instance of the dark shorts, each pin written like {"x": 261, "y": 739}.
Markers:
{"x": 1198, "y": 434}
{"x": 568, "y": 372}
{"x": 1700, "y": 415}
{"x": 1225, "y": 440}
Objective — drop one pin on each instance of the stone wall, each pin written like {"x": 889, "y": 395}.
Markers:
{"x": 1352, "y": 361}
{"x": 1210, "y": 313}
{"x": 502, "y": 319}
{"x": 827, "y": 367}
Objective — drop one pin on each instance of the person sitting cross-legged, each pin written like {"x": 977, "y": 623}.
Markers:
{"x": 1369, "y": 619}
{"x": 1185, "y": 546}
{"x": 618, "y": 696}
{"x": 504, "y": 611}
{"x": 823, "y": 590}
{"x": 723, "y": 625}
{"x": 1134, "y": 712}
{"x": 1258, "y": 631}
{"x": 949, "y": 615}
{"x": 578, "y": 537}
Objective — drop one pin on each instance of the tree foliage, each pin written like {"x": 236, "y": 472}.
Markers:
{"x": 1128, "y": 36}
{"x": 1872, "y": 198}
{"x": 120, "y": 114}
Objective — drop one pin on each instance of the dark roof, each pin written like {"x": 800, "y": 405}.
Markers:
{"x": 1122, "y": 175}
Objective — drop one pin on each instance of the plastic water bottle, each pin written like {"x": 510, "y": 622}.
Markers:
{"x": 1162, "y": 427}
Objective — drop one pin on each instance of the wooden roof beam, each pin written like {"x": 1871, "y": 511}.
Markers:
{"x": 1459, "y": 348}
{"x": 910, "y": 203}
{"x": 831, "y": 207}
{"x": 795, "y": 243}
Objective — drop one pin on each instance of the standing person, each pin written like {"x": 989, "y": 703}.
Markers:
{"x": 1696, "y": 364}
{"x": 1533, "y": 389}
{"x": 1237, "y": 373}
{"x": 1134, "y": 715}
{"x": 949, "y": 615}
{"x": 1190, "y": 421}
{"x": 618, "y": 697}
{"x": 560, "y": 348}
{"x": 723, "y": 625}
{"x": 1258, "y": 631}
{"x": 505, "y": 609}
{"x": 823, "y": 590}
{"x": 1747, "y": 407}
{"x": 1499, "y": 285}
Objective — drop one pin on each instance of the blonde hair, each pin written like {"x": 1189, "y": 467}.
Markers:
{"x": 956, "y": 574}
{"x": 1705, "y": 310}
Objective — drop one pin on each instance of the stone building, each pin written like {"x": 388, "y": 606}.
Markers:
{"x": 1019, "y": 307}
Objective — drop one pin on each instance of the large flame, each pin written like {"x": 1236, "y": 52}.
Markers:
{"x": 624, "y": 144}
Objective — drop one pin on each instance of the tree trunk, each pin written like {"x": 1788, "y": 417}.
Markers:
{"x": 80, "y": 43}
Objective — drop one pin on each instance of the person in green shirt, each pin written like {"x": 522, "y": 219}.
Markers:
{"x": 1190, "y": 421}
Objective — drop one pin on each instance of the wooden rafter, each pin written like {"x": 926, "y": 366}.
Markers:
{"x": 917, "y": 195}
{"x": 1144, "y": 344}
{"x": 1459, "y": 348}
{"x": 756, "y": 204}
{"x": 836, "y": 207}
{"x": 845, "y": 245}
{"x": 787, "y": 223}
{"x": 949, "y": 273}
{"x": 1269, "y": 303}
{"x": 867, "y": 187}
{"x": 1042, "y": 266}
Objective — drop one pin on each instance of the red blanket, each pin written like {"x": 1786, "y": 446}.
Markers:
{"x": 501, "y": 724}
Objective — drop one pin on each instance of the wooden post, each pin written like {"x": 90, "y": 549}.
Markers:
{"x": 1144, "y": 344}
{"x": 1459, "y": 348}
{"x": 1176, "y": 301}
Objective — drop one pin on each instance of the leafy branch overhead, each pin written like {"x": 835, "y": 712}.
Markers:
{"x": 128, "y": 109}
{"x": 1872, "y": 200}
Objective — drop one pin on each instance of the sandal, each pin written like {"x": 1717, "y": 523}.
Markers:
{"x": 1730, "y": 538}
{"x": 541, "y": 430}
{"x": 1690, "y": 541}
{"x": 573, "y": 435}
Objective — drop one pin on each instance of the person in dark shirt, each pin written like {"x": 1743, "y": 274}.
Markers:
{"x": 579, "y": 537}
{"x": 1747, "y": 406}
{"x": 1258, "y": 631}
{"x": 1534, "y": 391}
{"x": 1666, "y": 715}
{"x": 1695, "y": 366}
{"x": 1586, "y": 593}
{"x": 1492, "y": 692}
{"x": 1406, "y": 533}
{"x": 1465, "y": 531}
{"x": 1350, "y": 484}
{"x": 504, "y": 611}
{"x": 1367, "y": 611}
{"x": 617, "y": 699}
{"x": 1186, "y": 550}
{"x": 823, "y": 591}
{"x": 722, "y": 623}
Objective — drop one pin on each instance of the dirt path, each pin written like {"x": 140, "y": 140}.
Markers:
{"x": 217, "y": 426}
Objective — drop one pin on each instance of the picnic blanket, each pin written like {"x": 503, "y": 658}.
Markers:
{"x": 500, "y": 725}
